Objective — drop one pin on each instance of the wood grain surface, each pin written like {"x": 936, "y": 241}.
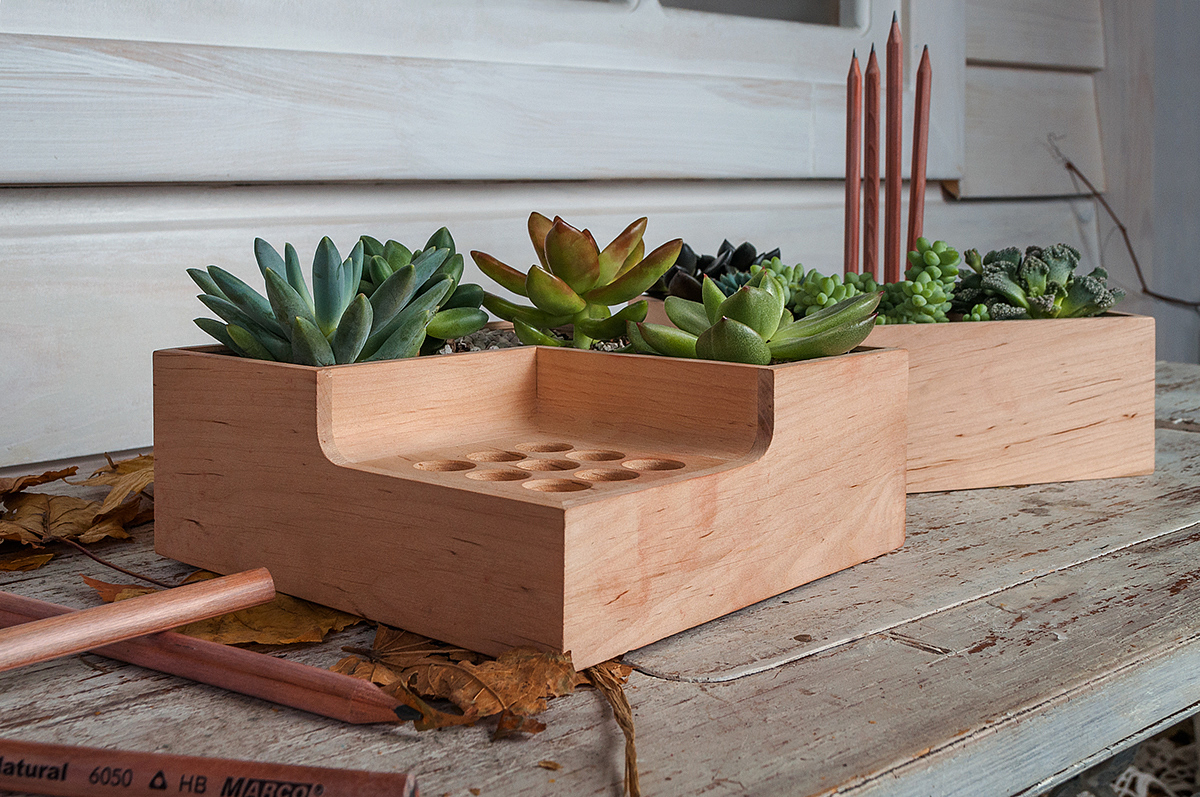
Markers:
{"x": 595, "y": 511}
{"x": 1000, "y": 403}
{"x": 1063, "y": 630}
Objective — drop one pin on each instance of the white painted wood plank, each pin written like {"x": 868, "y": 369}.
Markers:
{"x": 1010, "y": 114}
{"x": 605, "y": 90}
{"x": 1059, "y": 34}
{"x": 79, "y": 327}
{"x": 991, "y": 697}
{"x": 945, "y": 553}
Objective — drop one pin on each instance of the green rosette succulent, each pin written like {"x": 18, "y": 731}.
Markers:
{"x": 1041, "y": 283}
{"x": 337, "y": 322}
{"x": 576, "y": 282}
{"x": 753, "y": 326}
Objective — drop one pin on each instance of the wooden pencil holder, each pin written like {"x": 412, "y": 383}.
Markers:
{"x": 998, "y": 403}
{"x": 571, "y": 500}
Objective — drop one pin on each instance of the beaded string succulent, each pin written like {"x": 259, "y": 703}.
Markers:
{"x": 576, "y": 282}
{"x": 382, "y": 310}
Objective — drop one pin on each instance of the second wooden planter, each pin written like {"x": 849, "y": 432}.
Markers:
{"x": 571, "y": 500}
{"x": 1000, "y": 403}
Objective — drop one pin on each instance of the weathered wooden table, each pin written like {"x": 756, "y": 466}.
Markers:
{"x": 1019, "y": 636}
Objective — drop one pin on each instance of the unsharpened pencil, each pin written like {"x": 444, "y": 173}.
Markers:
{"x": 287, "y": 683}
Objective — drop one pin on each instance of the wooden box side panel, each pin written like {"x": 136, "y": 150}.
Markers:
{"x": 828, "y": 493}
{"x": 378, "y": 409}
{"x": 242, "y": 482}
{"x": 1027, "y": 402}
{"x": 685, "y": 406}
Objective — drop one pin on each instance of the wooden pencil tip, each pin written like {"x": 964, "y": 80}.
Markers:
{"x": 926, "y": 50}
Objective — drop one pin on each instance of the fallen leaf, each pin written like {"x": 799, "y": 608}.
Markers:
{"x": 553, "y": 766}
{"x": 24, "y": 561}
{"x": 515, "y": 686}
{"x": 510, "y": 723}
{"x": 127, "y": 477}
{"x": 36, "y": 519}
{"x": 116, "y": 592}
{"x": 283, "y": 621}
{"x": 476, "y": 792}
{"x": 16, "y": 484}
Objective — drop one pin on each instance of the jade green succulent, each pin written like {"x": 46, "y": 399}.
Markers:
{"x": 411, "y": 297}
{"x": 576, "y": 282}
{"x": 753, "y": 326}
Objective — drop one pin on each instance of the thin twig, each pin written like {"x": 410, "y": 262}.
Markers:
{"x": 107, "y": 563}
{"x": 1095, "y": 194}
{"x": 602, "y": 678}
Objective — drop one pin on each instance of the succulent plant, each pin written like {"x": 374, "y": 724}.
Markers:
{"x": 1042, "y": 283}
{"x": 576, "y": 282}
{"x": 730, "y": 267}
{"x": 459, "y": 315}
{"x": 336, "y": 322}
{"x": 926, "y": 293}
{"x": 752, "y": 326}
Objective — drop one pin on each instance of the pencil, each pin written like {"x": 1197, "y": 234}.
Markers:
{"x": 871, "y": 168}
{"x": 853, "y": 158}
{"x": 61, "y": 769}
{"x": 52, "y": 637}
{"x": 287, "y": 683}
{"x": 895, "y": 133}
{"x": 916, "y": 195}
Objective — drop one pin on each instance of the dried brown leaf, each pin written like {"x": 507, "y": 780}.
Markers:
{"x": 283, "y": 621}
{"x": 509, "y": 724}
{"x": 24, "y": 561}
{"x": 127, "y": 477}
{"x": 11, "y": 485}
{"x": 36, "y": 518}
{"x": 116, "y": 592}
{"x": 553, "y": 766}
{"x": 515, "y": 686}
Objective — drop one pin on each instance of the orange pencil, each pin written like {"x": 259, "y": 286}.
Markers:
{"x": 853, "y": 158}
{"x": 895, "y": 133}
{"x": 871, "y": 169}
{"x": 916, "y": 196}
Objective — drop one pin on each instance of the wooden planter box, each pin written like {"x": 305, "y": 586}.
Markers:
{"x": 567, "y": 499}
{"x": 1000, "y": 403}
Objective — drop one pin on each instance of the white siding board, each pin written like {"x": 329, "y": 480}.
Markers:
{"x": 1010, "y": 113}
{"x": 528, "y": 89}
{"x": 1056, "y": 34}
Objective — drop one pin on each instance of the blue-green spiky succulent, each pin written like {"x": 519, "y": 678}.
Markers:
{"x": 382, "y": 302}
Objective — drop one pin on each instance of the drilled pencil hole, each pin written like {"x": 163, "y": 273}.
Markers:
{"x": 495, "y": 456}
{"x": 596, "y": 455}
{"x": 443, "y": 465}
{"x": 544, "y": 448}
{"x": 605, "y": 475}
{"x": 498, "y": 475}
{"x": 653, "y": 464}
{"x": 555, "y": 485}
{"x": 547, "y": 464}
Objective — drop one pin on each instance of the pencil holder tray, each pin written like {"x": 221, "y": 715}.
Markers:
{"x": 571, "y": 500}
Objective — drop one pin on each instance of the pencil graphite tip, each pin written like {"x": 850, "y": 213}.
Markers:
{"x": 895, "y": 17}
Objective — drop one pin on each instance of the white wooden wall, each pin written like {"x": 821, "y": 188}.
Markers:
{"x": 139, "y": 143}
